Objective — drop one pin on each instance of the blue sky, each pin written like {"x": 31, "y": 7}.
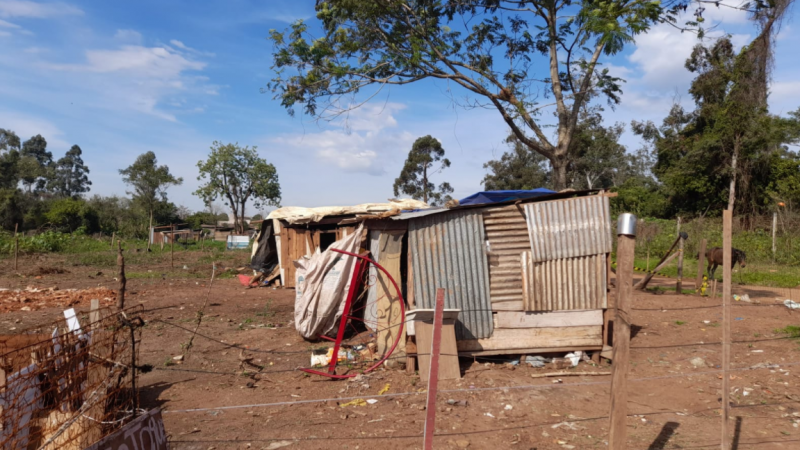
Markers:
{"x": 123, "y": 78}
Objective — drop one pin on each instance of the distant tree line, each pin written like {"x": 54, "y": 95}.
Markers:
{"x": 38, "y": 192}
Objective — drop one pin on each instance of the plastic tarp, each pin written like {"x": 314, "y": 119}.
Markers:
{"x": 481, "y": 198}
{"x": 321, "y": 284}
{"x": 299, "y": 215}
{"x": 265, "y": 251}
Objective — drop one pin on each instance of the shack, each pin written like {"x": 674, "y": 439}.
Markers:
{"x": 529, "y": 270}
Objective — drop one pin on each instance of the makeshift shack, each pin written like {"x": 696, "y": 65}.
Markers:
{"x": 528, "y": 270}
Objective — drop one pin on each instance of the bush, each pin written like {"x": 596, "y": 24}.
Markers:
{"x": 73, "y": 215}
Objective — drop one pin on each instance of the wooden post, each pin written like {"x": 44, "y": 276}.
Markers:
{"x": 701, "y": 262}
{"x": 727, "y": 219}
{"x": 433, "y": 376}
{"x": 94, "y": 314}
{"x": 172, "y": 247}
{"x": 774, "y": 228}
{"x": 679, "y": 283}
{"x": 16, "y": 245}
{"x": 113, "y": 235}
{"x": 626, "y": 244}
{"x": 121, "y": 276}
{"x": 666, "y": 258}
{"x": 202, "y": 241}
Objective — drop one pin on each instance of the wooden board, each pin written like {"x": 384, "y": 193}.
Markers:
{"x": 507, "y": 306}
{"x": 529, "y": 351}
{"x": 510, "y": 319}
{"x": 388, "y": 303}
{"x": 550, "y": 337}
{"x": 448, "y": 356}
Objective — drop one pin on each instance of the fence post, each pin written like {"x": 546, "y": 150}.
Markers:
{"x": 113, "y": 235}
{"x": 626, "y": 244}
{"x": 701, "y": 261}
{"x": 433, "y": 375}
{"x": 122, "y": 280}
{"x": 172, "y": 247}
{"x": 774, "y": 228}
{"x": 727, "y": 218}
{"x": 16, "y": 245}
{"x": 679, "y": 283}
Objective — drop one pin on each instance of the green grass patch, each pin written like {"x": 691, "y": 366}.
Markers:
{"x": 793, "y": 331}
{"x": 754, "y": 274}
{"x": 680, "y": 322}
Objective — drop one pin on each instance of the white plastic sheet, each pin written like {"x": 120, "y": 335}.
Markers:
{"x": 321, "y": 283}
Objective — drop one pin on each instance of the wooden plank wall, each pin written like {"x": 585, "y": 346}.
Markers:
{"x": 507, "y": 234}
{"x": 549, "y": 332}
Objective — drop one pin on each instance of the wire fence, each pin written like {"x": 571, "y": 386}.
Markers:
{"x": 66, "y": 386}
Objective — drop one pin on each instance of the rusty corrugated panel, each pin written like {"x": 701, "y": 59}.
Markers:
{"x": 564, "y": 284}
{"x": 447, "y": 251}
{"x": 506, "y": 235}
{"x": 569, "y": 228}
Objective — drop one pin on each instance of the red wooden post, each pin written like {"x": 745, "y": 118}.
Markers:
{"x": 433, "y": 375}
{"x": 351, "y": 293}
{"x": 727, "y": 219}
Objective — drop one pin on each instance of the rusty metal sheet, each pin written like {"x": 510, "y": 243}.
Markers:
{"x": 577, "y": 283}
{"x": 447, "y": 251}
{"x": 569, "y": 228}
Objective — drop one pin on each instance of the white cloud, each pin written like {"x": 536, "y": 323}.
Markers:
{"x": 128, "y": 36}
{"x": 23, "y": 8}
{"x": 5, "y": 24}
{"x": 5, "y": 33}
{"x": 25, "y": 127}
{"x": 364, "y": 142}
{"x": 186, "y": 48}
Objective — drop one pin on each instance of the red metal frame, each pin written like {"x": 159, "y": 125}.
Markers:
{"x": 355, "y": 285}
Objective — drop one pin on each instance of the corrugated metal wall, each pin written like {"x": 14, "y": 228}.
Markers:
{"x": 447, "y": 252}
{"x": 565, "y": 284}
{"x": 569, "y": 228}
{"x": 507, "y": 238}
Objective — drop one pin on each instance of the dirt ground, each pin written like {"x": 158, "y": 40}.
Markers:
{"x": 674, "y": 383}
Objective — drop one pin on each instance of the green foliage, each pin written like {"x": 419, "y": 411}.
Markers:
{"x": 520, "y": 168}
{"x": 71, "y": 215}
{"x": 793, "y": 331}
{"x": 477, "y": 45}
{"x": 35, "y": 163}
{"x": 149, "y": 182}
{"x": 204, "y": 218}
{"x": 11, "y": 212}
{"x": 69, "y": 177}
{"x": 238, "y": 175}
{"x": 414, "y": 179}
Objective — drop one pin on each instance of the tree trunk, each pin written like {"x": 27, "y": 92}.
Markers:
{"x": 425, "y": 183}
{"x": 559, "y": 173}
{"x": 242, "y": 223}
{"x": 235, "y": 209}
{"x": 732, "y": 190}
{"x": 149, "y": 229}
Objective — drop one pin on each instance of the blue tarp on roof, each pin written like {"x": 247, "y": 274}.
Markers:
{"x": 481, "y": 198}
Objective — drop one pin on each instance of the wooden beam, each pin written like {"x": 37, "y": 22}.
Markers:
{"x": 520, "y": 319}
{"x": 679, "y": 282}
{"x": 727, "y": 219}
{"x": 531, "y": 350}
{"x": 388, "y": 302}
{"x": 622, "y": 336}
{"x": 433, "y": 375}
{"x": 550, "y": 337}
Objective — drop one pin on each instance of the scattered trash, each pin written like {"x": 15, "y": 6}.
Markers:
{"x": 508, "y": 408}
{"x": 385, "y": 389}
{"x": 558, "y": 381}
{"x": 178, "y": 358}
{"x": 535, "y": 361}
{"x": 742, "y": 298}
{"x": 706, "y": 322}
{"x": 746, "y": 391}
{"x": 356, "y": 402}
{"x": 698, "y": 362}
{"x": 323, "y": 357}
{"x": 185, "y": 267}
{"x": 739, "y": 318}
{"x": 569, "y": 425}
{"x": 279, "y": 444}
{"x": 756, "y": 351}
{"x": 452, "y": 402}
{"x": 488, "y": 415}
{"x": 574, "y": 358}
{"x": 791, "y": 305}
{"x": 372, "y": 401}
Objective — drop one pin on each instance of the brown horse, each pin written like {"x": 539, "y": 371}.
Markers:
{"x": 714, "y": 257}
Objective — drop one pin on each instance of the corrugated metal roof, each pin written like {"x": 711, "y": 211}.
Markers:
{"x": 447, "y": 252}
